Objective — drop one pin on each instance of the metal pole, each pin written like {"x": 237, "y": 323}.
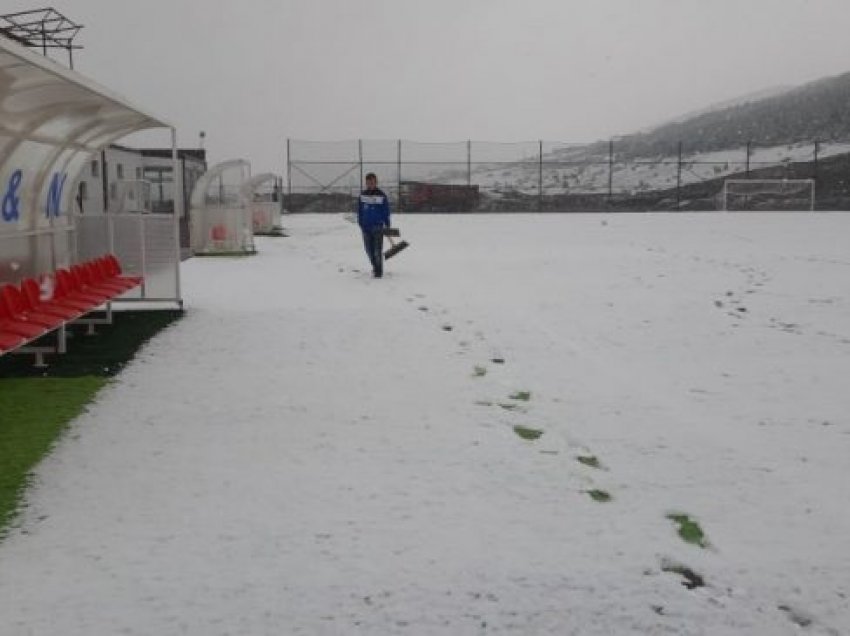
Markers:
{"x": 107, "y": 211}
{"x": 178, "y": 213}
{"x": 815, "y": 175}
{"x": 288, "y": 172}
{"x": 468, "y": 162}
{"x": 679, "y": 180}
{"x": 540, "y": 175}
{"x": 749, "y": 144}
{"x": 814, "y": 201}
{"x": 143, "y": 247}
{"x": 610, "y": 170}
{"x": 399, "y": 176}
{"x": 360, "y": 155}
{"x": 815, "y": 163}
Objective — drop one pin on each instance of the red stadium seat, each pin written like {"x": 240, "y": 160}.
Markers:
{"x": 15, "y": 307}
{"x": 32, "y": 298}
{"x": 94, "y": 277}
{"x": 102, "y": 271}
{"x": 68, "y": 287}
{"x": 11, "y": 325}
{"x": 115, "y": 269}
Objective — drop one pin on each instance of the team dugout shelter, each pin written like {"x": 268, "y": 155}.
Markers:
{"x": 52, "y": 122}
{"x": 221, "y": 213}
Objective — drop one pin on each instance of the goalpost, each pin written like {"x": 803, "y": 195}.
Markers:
{"x": 768, "y": 194}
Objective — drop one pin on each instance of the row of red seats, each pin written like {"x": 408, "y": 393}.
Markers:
{"x": 26, "y": 314}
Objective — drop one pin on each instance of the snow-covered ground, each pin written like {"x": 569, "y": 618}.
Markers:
{"x": 311, "y": 451}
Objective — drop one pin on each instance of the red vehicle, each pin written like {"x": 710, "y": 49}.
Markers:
{"x": 418, "y": 196}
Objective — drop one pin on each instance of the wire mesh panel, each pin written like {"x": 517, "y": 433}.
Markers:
{"x": 145, "y": 245}
{"x": 16, "y": 257}
{"x": 92, "y": 237}
{"x": 434, "y": 177}
{"x": 625, "y": 174}
{"x": 381, "y": 158}
{"x": 506, "y": 174}
{"x": 323, "y": 176}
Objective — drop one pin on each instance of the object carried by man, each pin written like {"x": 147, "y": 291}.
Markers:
{"x": 396, "y": 247}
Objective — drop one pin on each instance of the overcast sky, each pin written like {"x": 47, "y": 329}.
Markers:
{"x": 253, "y": 72}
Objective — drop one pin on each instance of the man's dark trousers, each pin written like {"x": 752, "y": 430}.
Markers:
{"x": 373, "y": 241}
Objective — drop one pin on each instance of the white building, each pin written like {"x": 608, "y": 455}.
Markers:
{"x": 97, "y": 189}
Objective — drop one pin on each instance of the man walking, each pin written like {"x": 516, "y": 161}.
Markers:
{"x": 373, "y": 215}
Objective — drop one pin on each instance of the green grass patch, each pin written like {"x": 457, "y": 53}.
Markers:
{"x": 530, "y": 434}
{"x": 689, "y": 530}
{"x": 601, "y": 496}
{"x": 691, "y": 579}
{"x": 508, "y": 406}
{"x": 523, "y": 396}
{"x": 36, "y": 405}
{"x": 589, "y": 460}
{"x": 35, "y": 412}
{"x": 479, "y": 372}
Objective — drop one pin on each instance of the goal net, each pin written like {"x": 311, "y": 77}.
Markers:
{"x": 767, "y": 195}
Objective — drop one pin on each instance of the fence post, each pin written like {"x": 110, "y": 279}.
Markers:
{"x": 679, "y": 180}
{"x": 540, "y": 177}
{"x": 610, "y": 170}
{"x": 815, "y": 163}
{"x": 288, "y": 174}
{"x": 360, "y": 159}
{"x": 468, "y": 162}
{"x": 399, "y": 176}
{"x": 815, "y": 175}
{"x": 747, "y": 172}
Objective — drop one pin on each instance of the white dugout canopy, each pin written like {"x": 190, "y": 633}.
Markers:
{"x": 221, "y": 216}
{"x": 52, "y": 122}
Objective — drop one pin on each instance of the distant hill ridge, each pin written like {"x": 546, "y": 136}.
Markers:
{"x": 817, "y": 110}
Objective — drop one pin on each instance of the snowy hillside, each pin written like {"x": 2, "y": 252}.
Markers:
{"x": 574, "y": 170}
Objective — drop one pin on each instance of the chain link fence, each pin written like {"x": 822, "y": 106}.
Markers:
{"x": 541, "y": 176}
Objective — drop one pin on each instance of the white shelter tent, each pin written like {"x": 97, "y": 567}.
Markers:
{"x": 221, "y": 217}
{"x": 52, "y": 122}
{"x": 263, "y": 198}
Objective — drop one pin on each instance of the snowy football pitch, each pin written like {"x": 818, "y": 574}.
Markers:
{"x": 494, "y": 438}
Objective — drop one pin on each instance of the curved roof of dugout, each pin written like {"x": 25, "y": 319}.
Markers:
{"x": 222, "y": 171}
{"x": 52, "y": 120}
{"x": 255, "y": 183}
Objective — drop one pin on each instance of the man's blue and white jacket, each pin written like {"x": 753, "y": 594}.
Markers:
{"x": 373, "y": 212}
